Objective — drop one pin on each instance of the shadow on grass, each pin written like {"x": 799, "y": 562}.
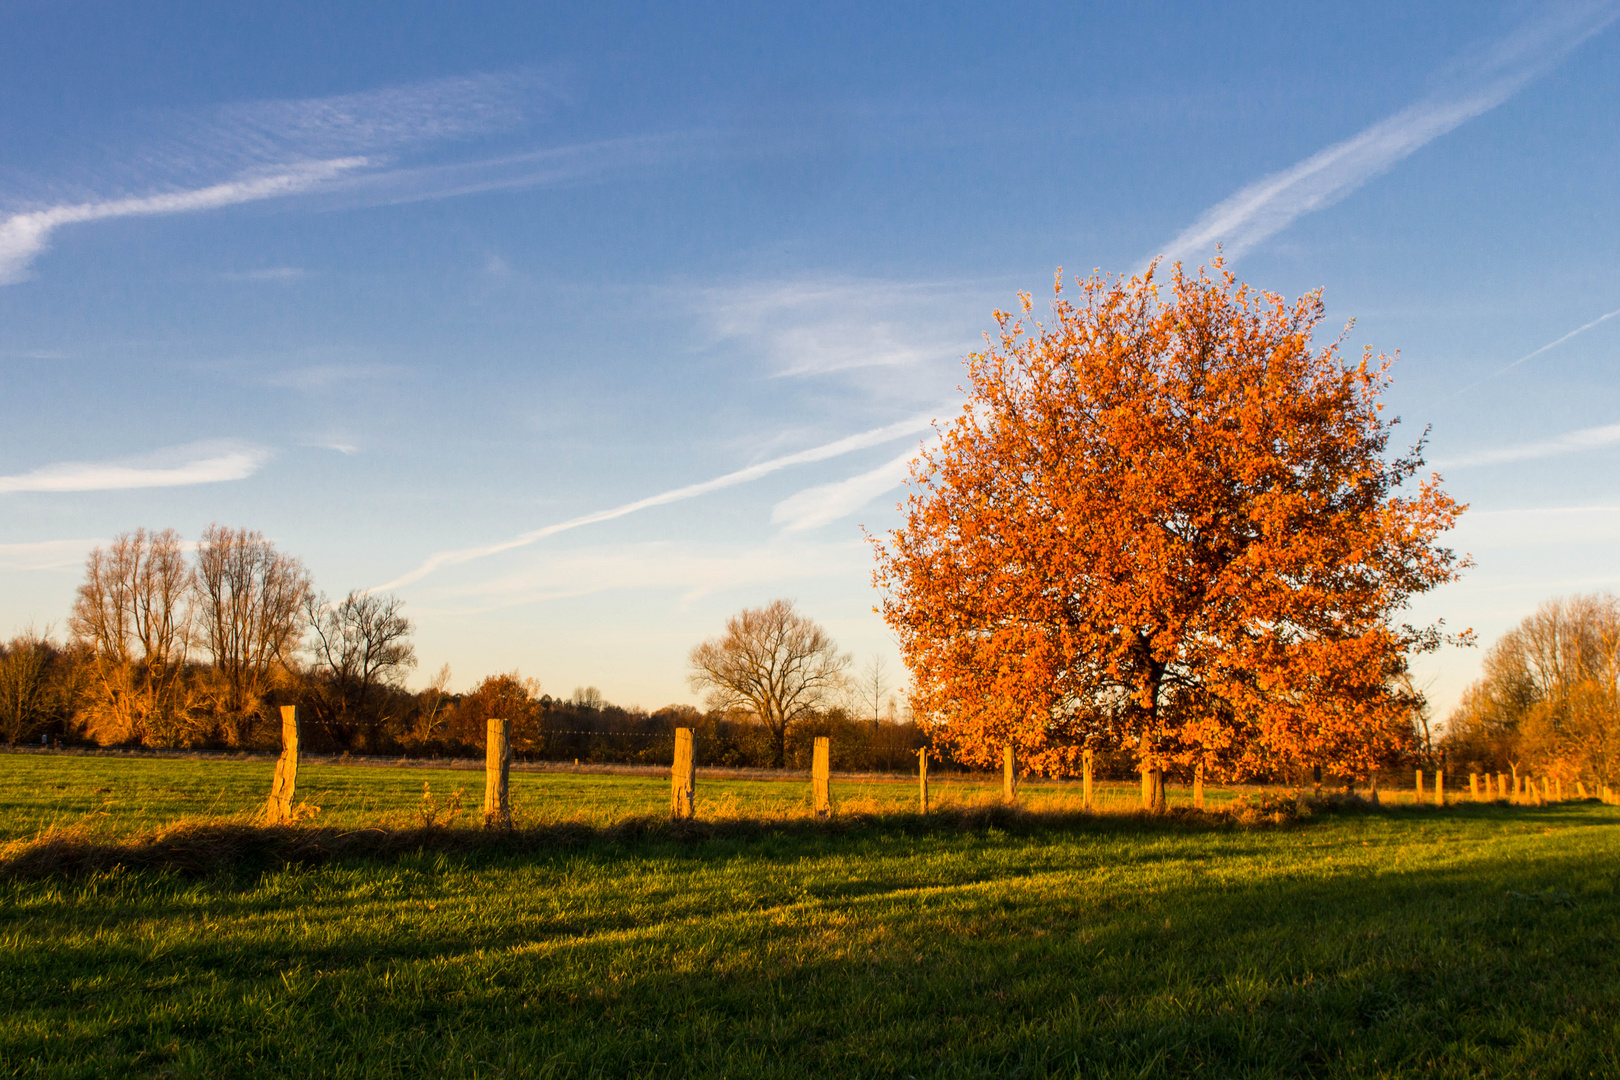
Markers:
{"x": 206, "y": 847}
{"x": 1501, "y": 966}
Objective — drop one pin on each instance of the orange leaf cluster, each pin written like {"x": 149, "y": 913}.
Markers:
{"x": 1168, "y": 525}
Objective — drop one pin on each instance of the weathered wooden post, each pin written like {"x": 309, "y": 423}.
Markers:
{"x": 1580, "y": 790}
{"x": 1558, "y": 790}
{"x": 1085, "y": 780}
{"x": 1487, "y": 787}
{"x": 1439, "y": 787}
{"x": 922, "y": 780}
{"x": 1473, "y": 785}
{"x": 1009, "y": 773}
{"x": 1198, "y": 786}
{"x": 1546, "y": 789}
{"x": 1419, "y": 797}
{"x": 683, "y": 776}
{"x": 821, "y": 777}
{"x": 497, "y": 773}
{"x": 279, "y": 810}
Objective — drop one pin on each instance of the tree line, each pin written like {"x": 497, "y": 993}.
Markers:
{"x": 196, "y": 646}
{"x": 1548, "y": 699}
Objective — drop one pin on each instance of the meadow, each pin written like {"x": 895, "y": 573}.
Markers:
{"x": 1474, "y": 940}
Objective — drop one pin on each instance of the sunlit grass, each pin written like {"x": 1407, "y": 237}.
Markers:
{"x": 1476, "y": 941}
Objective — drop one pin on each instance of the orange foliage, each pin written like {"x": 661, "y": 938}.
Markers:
{"x": 1168, "y": 526}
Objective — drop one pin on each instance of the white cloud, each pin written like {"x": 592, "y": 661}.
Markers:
{"x": 818, "y": 327}
{"x": 1574, "y": 442}
{"x": 45, "y": 554}
{"x": 1269, "y": 205}
{"x": 197, "y": 463}
{"x": 816, "y": 506}
{"x": 837, "y": 448}
{"x": 25, "y": 236}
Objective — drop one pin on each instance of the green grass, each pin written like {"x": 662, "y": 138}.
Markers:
{"x": 1474, "y": 941}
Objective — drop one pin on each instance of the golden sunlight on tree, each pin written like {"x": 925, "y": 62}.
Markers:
{"x": 775, "y": 663}
{"x": 252, "y": 603}
{"x": 1166, "y": 524}
{"x": 134, "y": 615}
{"x": 1549, "y": 697}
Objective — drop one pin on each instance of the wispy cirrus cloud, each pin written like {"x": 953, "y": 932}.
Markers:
{"x": 363, "y": 148}
{"x": 818, "y": 327}
{"x": 180, "y": 466}
{"x": 836, "y": 448}
{"x": 1573, "y": 442}
{"x": 1473, "y": 87}
{"x": 826, "y": 503}
{"x": 26, "y": 235}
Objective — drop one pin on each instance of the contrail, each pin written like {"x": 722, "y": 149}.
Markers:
{"x": 1269, "y": 205}
{"x": 875, "y": 437}
{"x": 1526, "y": 357}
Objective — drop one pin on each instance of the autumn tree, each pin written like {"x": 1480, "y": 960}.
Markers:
{"x": 134, "y": 613}
{"x": 507, "y": 696}
{"x": 1165, "y": 523}
{"x": 362, "y": 646}
{"x": 1548, "y": 696}
{"x": 252, "y": 602}
{"x": 772, "y": 661}
{"x": 38, "y": 686}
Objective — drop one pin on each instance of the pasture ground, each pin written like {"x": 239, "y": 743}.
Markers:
{"x": 1477, "y": 940}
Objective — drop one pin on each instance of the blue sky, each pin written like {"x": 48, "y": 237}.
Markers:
{"x": 584, "y": 327}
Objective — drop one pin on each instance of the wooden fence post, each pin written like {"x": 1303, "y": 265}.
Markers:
{"x": 683, "y": 776}
{"x": 279, "y": 810}
{"x": 1473, "y": 785}
{"x": 922, "y": 780}
{"x": 821, "y": 777}
{"x": 1009, "y": 773}
{"x": 1439, "y": 787}
{"x": 1085, "y": 780}
{"x": 497, "y": 773}
{"x": 1419, "y": 797}
{"x": 1580, "y": 790}
{"x": 1198, "y": 786}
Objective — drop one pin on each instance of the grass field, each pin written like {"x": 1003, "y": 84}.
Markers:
{"x": 1479, "y": 940}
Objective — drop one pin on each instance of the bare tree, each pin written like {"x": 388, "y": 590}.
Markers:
{"x": 774, "y": 661}
{"x": 430, "y": 711}
{"x": 361, "y": 644}
{"x": 252, "y": 602}
{"x": 134, "y": 613}
{"x": 870, "y": 689}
